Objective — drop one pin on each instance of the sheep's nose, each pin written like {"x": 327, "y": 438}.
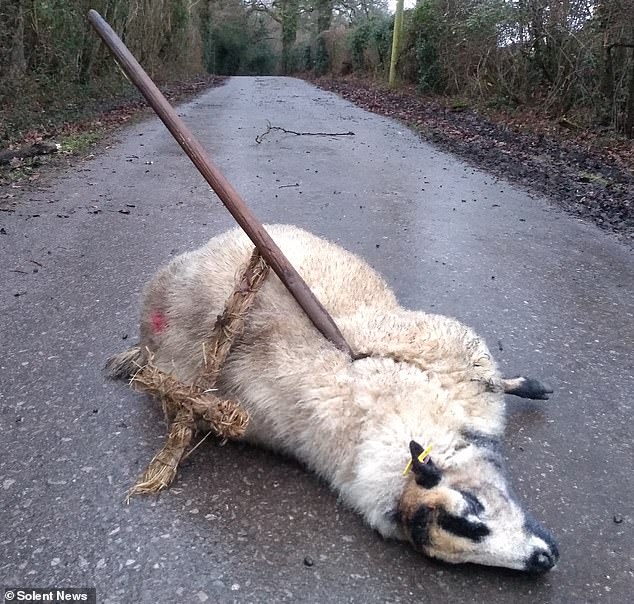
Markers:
{"x": 542, "y": 560}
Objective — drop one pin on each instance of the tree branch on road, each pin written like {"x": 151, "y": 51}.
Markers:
{"x": 260, "y": 137}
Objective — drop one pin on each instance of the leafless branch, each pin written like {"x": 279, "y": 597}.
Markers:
{"x": 260, "y": 137}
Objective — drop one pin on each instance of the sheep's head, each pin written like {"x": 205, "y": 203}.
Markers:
{"x": 464, "y": 513}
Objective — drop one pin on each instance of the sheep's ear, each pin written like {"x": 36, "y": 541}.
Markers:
{"x": 427, "y": 473}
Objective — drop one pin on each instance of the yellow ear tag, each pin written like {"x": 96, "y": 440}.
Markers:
{"x": 421, "y": 458}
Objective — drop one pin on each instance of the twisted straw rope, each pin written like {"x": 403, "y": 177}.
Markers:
{"x": 188, "y": 403}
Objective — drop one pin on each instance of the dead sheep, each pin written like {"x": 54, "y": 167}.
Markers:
{"x": 424, "y": 379}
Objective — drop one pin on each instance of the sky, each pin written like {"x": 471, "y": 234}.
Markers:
{"x": 408, "y": 4}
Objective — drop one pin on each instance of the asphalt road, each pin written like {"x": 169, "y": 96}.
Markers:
{"x": 553, "y": 296}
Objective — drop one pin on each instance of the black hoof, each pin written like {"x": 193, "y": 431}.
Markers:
{"x": 529, "y": 388}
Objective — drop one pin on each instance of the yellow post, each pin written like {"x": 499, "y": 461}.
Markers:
{"x": 396, "y": 41}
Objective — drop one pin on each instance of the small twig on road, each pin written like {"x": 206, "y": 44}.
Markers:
{"x": 286, "y": 186}
{"x": 260, "y": 137}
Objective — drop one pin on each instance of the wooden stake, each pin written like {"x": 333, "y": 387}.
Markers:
{"x": 227, "y": 194}
{"x": 396, "y": 42}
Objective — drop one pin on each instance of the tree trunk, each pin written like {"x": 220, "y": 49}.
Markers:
{"x": 606, "y": 109}
{"x": 289, "y": 13}
{"x": 629, "y": 110}
{"x": 324, "y": 14}
{"x": 17, "y": 60}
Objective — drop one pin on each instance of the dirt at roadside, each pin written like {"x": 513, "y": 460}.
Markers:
{"x": 586, "y": 173}
{"x": 78, "y": 135}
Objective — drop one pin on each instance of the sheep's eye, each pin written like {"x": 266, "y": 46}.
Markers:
{"x": 462, "y": 527}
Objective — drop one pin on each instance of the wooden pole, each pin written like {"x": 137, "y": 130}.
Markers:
{"x": 396, "y": 42}
{"x": 227, "y": 194}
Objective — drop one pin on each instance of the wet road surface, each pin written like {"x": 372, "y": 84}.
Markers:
{"x": 554, "y": 298}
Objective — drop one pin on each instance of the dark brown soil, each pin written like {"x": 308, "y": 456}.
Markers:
{"x": 23, "y": 125}
{"x": 79, "y": 130}
{"x": 587, "y": 173}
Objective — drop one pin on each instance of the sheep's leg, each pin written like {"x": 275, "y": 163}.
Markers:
{"x": 125, "y": 364}
{"x": 527, "y": 388}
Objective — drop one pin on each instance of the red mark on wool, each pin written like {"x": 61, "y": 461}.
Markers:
{"x": 158, "y": 321}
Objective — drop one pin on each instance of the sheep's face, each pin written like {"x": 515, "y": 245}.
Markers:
{"x": 465, "y": 514}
